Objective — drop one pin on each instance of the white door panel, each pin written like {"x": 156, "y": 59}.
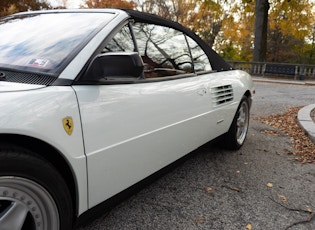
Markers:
{"x": 132, "y": 130}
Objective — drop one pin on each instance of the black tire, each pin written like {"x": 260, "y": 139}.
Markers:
{"x": 235, "y": 137}
{"x": 33, "y": 195}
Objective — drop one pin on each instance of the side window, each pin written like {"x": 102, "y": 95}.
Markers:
{"x": 121, "y": 42}
{"x": 164, "y": 50}
{"x": 200, "y": 59}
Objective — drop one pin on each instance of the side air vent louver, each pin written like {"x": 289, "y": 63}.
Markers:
{"x": 222, "y": 94}
{"x": 28, "y": 78}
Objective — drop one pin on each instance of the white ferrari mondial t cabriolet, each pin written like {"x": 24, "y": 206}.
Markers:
{"x": 94, "y": 101}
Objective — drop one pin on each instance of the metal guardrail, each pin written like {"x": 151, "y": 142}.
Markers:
{"x": 297, "y": 71}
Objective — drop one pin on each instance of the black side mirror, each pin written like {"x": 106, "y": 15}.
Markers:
{"x": 114, "y": 65}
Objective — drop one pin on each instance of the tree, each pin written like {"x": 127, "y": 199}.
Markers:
{"x": 261, "y": 24}
{"x": 310, "y": 47}
{"x": 165, "y": 9}
{"x": 290, "y": 23}
{"x": 235, "y": 40}
{"x": 13, "y": 6}
{"x": 176, "y": 10}
{"x": 290, "y": 30}
{"x": 205, "y": 17}
{"x": 207, "y": 20}
{"x": 110, "y": 4}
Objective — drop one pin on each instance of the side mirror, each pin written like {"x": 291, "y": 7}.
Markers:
{"x": 114, "y": 65}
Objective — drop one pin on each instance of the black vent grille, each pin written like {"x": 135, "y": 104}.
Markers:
{"x": 28, "y": 78}
{"x": 222, "y": 94}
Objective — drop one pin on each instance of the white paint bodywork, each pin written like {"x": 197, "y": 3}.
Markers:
{"x": 132, "y": 130}
{"x": 124, "y": 132}
{"x": 129, "y": 130}
{"x": 38, "y": 113}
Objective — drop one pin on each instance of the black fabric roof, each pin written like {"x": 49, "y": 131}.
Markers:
{"x": 216, "y": 61}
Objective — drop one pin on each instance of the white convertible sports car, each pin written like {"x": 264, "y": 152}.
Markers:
{"x": 94, "y": 101}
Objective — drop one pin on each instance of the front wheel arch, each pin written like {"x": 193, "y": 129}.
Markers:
{"x": 33, "y": 193}
{"x": 51, "y": 155}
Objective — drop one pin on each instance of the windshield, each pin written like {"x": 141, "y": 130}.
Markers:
{"x": 44, "y": 43}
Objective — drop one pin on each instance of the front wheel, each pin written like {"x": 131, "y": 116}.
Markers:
{"x": 33, "y": 195}
{"x": 235, "y": 137}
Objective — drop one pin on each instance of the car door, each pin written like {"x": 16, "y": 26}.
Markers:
{"x": 132, "y": 130}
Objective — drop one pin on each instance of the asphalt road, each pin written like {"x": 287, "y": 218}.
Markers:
{"x": 259, "y": 186}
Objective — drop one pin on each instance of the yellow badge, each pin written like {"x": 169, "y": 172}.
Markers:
{"x": 68, "y": 125}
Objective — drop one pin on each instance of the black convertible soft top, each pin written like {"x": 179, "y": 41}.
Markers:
{"x": 217, "y": 63}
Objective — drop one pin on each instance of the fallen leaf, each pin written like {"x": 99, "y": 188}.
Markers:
{"x": 200, "y": 219}
{"x": 270, "y": 185}
{"x": 209, "y": 189}
{"x": 236, "y": 189}
{"x": 283, "y": 198}
{"x": 249, "y": 227}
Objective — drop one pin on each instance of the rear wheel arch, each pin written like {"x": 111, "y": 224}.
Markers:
{"x": 48, "y": 153}
{"x": 248, "y": 94}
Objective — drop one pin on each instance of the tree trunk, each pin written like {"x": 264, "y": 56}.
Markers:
{"x": 261, "y": 23}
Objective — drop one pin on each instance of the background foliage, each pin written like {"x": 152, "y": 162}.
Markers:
{"x": 227, "y": 26}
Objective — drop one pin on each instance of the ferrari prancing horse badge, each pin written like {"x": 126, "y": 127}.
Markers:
{"x": 68, "y": 125}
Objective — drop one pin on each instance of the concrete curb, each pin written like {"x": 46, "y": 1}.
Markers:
{"x": 306, "y": 122}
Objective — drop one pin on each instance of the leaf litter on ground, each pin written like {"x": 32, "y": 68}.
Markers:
{"x": 304, "y": 147}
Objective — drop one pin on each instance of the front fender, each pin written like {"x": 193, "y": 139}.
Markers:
{"x": 39, "y": 114}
